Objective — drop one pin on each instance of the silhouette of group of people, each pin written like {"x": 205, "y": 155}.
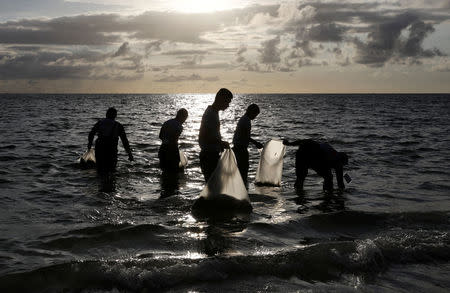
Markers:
{"x": 320, "y": 157}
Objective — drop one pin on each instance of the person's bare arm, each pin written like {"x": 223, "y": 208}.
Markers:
{"x": 256, "y": 143}
{"x": 293, "y": 143}
{"x": 126, "y": 144}
{"x": 92, "y": 135}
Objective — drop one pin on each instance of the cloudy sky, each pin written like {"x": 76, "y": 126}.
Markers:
{"x": 182, "y": 46}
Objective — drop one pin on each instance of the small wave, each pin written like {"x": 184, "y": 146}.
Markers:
{"x": 408, "y": 143}
{"x": 359, "y": 218}
{"x": 9, "y": 158}
{"x": 5, "y": 181}
{"x": 319, "y": 262}
{"x": 425, "y": 149}
{"x": 104, "y": 235}
{"x": 354, "y": 224}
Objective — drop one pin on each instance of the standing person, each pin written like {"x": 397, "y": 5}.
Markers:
{"x": 321, "y": 157}
{"x": 169, "y": 154}
{"x": 210, "y": 140}
{"x": 241, "y": 139}
{"x": 108, "y": 131}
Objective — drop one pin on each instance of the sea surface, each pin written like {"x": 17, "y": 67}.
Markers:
{"x": 60, "y": 231}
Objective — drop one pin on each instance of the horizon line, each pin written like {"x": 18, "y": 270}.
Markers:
{"x": 237, "y": 93}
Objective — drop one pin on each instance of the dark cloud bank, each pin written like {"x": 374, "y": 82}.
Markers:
{"x": 49, "y": 49}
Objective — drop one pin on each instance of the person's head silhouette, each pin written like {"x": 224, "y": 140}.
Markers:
{"x": 223, "y": 99}
{"x": 182, "y": 115}
{"x": 111, "y": 113}
{"x": 252, "y": 111}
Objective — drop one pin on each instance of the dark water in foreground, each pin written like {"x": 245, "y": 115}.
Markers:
{"x": 388, "y": 231}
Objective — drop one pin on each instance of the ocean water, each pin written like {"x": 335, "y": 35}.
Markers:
{"x": 387, "y": 232}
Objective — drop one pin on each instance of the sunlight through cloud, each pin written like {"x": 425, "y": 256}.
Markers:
{"x": 200, "y": 6}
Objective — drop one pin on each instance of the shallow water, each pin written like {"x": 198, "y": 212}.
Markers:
{"x": 388, "y": 231}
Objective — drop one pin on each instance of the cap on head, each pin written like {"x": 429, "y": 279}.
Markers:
{"x": 111, "y": 113}
{"x": 182, "y": 114}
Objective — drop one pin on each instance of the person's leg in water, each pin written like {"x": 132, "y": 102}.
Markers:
{"x": 169, "y": 162}
{"x": 106, "y": 158}
{"x": 301, "y": 168}
{"x": 208, "y": 163}
{"x": 241, "y": 155}
{"x": 327, "y": 178}
{"x": 106, "y": 161}
{"x": 169, "y": 158}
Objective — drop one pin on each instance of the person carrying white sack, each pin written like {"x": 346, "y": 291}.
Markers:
{"x": 108, "y": 131}
{"x": 242, "y": 138}
{"x": 169, "y": 154}
{"x": 210, "y": 140}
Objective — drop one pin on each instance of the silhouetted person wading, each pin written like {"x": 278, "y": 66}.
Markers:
{"x": 241, "y": 140}
{"x": 321, "y": 157}
{"x": 108, "y": 131}
{"x": 210, "y": 140}
{"x": 169, "y": 154}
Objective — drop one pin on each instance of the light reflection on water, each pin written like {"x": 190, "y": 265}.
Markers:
{"x": 399, "y": 164}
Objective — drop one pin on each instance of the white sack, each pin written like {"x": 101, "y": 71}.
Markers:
{"x": 226, "y": 179}
{"x": 270, "y": 167}
{"x": 183, "y": 160}
{"x": 88, "y": 156}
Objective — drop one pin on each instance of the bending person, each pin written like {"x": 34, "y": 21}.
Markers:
{"x": 241, "y": 140}
{"x": 108, "y": 131}
{"x": 321, "y": 157}
{"x": 169, "y": 154}
{"x": 210, "y": 140}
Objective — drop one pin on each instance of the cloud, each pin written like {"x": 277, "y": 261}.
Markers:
{"x": 104, "y": 29}
{"x": 413, "y": 45}
{"x": 51, "y": 8}
{"x": 252, "y": 66}
{"x": 123, "y": 50}
{"x": 345, "y": 62}
{"x": 287, "y": 16}
{"x": 260, "y": 38}
{"x": 186, "y": 52}
{"x": 328, "y": 32}
{"x": 40, "y": 66}
{"x": 270, "y": 54}
{"x": 192, "y": 77}
{"x": 306, "y": 48}
{"x": 382, "y": 39}
{"x": 194, "y": 61}
{"x": 86, "y": 64}
{"x": 386, "y": 43}
{"x": 154, "y": 46}
{"x": 78, "y": 30}
{"x": 443, "y": 66}
{"x": 239, "y": 54}
{"x": 304, "y": 62}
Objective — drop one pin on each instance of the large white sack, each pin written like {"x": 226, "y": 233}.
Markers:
{"x": 183, "y": 160}
{"x": 87, "y": 160}
{"x": 89, "y": 155}
{"x": 226, "y": 180}
{"x": 270, "y": 167}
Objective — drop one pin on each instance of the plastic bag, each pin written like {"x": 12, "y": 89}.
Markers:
{"x": 225, "y": 194}
{"x": 226, "y": 180}
{"x": 183, "y": 160}
{"x": 270, "y": 167}
{"x": 87, "y": 160}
